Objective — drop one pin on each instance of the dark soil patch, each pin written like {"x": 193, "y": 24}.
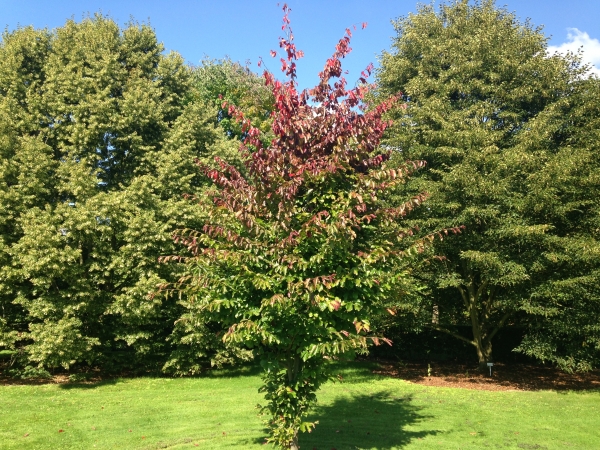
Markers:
{"x": 504, "y": 377}
{"x": 55, "y": 379}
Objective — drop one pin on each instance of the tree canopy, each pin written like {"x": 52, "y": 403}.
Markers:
{"x": 222, "y": 83}
{"x": 296, "y": 245}
{"x": 98, "y": 134}
{"x": 299, "y": 251}
{"x": 563, "y": 192}
{"x": 479, "y": 86}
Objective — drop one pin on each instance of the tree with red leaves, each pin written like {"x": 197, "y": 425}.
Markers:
{"x": 299, "y": 251}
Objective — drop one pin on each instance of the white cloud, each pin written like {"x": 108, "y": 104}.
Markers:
{"x": 576, "y": 40}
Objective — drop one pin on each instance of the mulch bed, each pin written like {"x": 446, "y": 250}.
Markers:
{"x": 505, "y": 377}
{"x": 56, "y": 379}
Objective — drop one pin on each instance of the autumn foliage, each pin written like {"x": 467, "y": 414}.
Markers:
{"x": 299, "y": 251}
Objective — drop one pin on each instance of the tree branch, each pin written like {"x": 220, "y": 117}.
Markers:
{"x": 463, "y": 294}
{"x": 487, "y": 304}
{"x": 481, "y": 288}
{"x": 489, "y": 337}
{"x": 451, "y": 333}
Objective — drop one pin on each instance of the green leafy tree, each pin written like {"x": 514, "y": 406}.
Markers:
{"x": 223, "y": 82}
{"x": 474, "y": 78}
{"x": 98, "y": 136}
{"x": 298, "y": 253}
{"x": 564, "y": 187}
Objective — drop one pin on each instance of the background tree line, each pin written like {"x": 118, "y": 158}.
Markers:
{"x": 99, "y": 134}
{"x": 99, "y": 131}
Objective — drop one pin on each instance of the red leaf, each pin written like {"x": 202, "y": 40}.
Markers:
{"x": 273, "y": 53}
{"x": 364, "y": 25}
{"x": 61, "y": 431}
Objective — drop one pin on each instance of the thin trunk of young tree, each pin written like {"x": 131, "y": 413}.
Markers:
{"x": 293, "y": 370}
{"x": 294, "y": 444}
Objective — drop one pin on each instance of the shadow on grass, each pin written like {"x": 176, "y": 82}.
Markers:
{"x": 377, "y": 421}
{"x": 252, "y": 369}
{"x": 355, "y": 372}
{"x": 89, "y": 384}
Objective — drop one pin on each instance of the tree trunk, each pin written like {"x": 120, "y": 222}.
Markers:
{"x": 435, "y": 316}
{"x": 479, "y": 315}
{"x": 484, "y": 354}
{"x": 293, "y": 368}
{"x": 294, "y": 444}
{"x": 482, "y": 345}
{"x": 478, "y": 299}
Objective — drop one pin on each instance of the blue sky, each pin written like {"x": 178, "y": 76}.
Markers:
{"x": 245, "y": 30}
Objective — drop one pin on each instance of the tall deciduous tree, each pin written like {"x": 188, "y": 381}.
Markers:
{"x": 298, "y": 252}
{"x": 563, "y": 144}
{"x": 98, "y": 135}
{"x": 222, "y": 80}
{"x": 474, "y": 78}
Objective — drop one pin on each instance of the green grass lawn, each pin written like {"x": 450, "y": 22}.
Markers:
{"x": 363, "y": 412}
